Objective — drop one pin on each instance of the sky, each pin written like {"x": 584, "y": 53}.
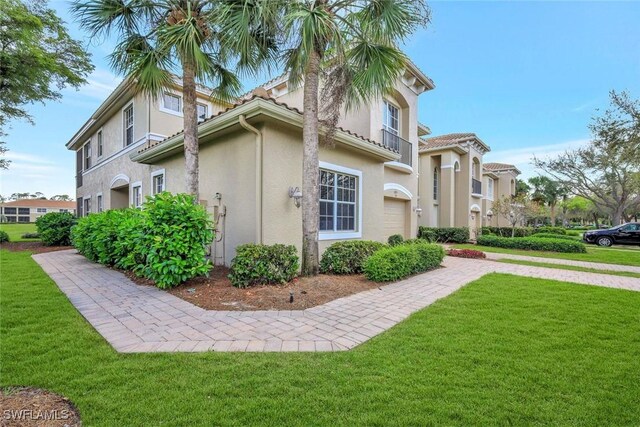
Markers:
{"x": 526, "y": 77}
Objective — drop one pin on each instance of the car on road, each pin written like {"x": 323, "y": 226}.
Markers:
{"x": 625, "y": 234}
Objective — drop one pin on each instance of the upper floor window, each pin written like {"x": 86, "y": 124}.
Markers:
{"x": 10, "y": 211}
{"x": 41, "y": 210}
{"x": 24, "y": 211}
{"x": 127, "y": 118}
{"x": 436, "y": 183}
{"x": 203, "y": 111}
{"x": 338, "y": 206}
{"x": 490, "y": 188}
{"x": 171, "y": 102}
{"x": 390, "y": 118}
{"x": 99, "y": 141}
{"x": 87, "y": 155}
{"x": 136, "y": 196}
{"x": 158, "y": 183}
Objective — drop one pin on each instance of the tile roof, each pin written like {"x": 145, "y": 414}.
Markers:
{"x": 446, "y": 140}
{"x": 255, "y": 96}
{"x": 498, "y": 166}
{"x": 41, "y": 203}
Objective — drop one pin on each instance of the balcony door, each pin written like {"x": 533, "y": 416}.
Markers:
{"x": 391, "y": 118}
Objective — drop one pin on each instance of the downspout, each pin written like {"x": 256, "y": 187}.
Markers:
{"x": 243, "y": 122}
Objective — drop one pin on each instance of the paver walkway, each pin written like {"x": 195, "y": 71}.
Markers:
{"x": 585, "y": 264}
{"x": 135, "y": 318}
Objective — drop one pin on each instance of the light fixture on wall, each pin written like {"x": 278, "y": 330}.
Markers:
{"x": 296, "y": 195}
{"x": 418, "y": 210}
{"x": 489, "y": 215}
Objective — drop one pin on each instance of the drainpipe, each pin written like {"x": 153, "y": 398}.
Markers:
{"x": 243, "y": 122}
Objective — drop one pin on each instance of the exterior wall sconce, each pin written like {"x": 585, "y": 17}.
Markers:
{"x": 296, "y": 195}
{"x": 418, "y": 211}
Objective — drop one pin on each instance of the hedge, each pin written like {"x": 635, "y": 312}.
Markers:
{"x": 522, "y": 231}
{"x": 4, "y": 237}
{"x": 556, "y": 236}
{"x": 532, "y": 244}
{"x": 550, "y": 230}
{"x": 54, "y": 228}
{"x": 348, "y": 257}
{"x": 444, "y": 234}
{"x": 395, "y": 239}
{"x": 165, "y": 242}
{"x": 397, "y": 262}
{"x": 263, "y": 264}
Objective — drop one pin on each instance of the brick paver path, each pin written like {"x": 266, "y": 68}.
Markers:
{"x": 585, "y": 264}
{"x": 135, "y": 318}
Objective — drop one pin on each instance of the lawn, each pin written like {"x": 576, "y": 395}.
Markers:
{"x": 569, "y": 267}
{"x": 594, "y": 254}
{"x": 15, "y": 231}
{"x": 500, "y": 351}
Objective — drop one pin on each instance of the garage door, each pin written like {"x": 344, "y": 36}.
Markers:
{"x": 394, "y": 216}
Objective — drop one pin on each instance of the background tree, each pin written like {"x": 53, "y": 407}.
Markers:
{"x": 547, "y": 192}
{"x": 516, "y": 210}
{"x": 62, "y": 197}
{"x": 606, "y": 170}
{"x": 159, "y": 38}
{"x": 38, "y": 59}
{"x": 522, "y": 187}
{"x": 578, "y": 207}
{"x": 352, "y": 46}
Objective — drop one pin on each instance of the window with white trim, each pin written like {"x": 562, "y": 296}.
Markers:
{"x": 86, "y": 207}
{"x": 171, "y": 102}
{"x": 87, "y": 155}
{"x": 127, "y": 119}
{"x": 63, "y": 210}
{"x": 41, "y": 210}
{"x": 99, "y": 138}
{"x": 390, "y": 118}
{"x": 436, "y": 183}
{"x": 136, "y": 196}
{"x": 203, "y": 111}
{"x": 490, "y": 188}
{"x": 99, "y": 203}
{"x": 338, "y": 201}
{"x": 158, "y": 183}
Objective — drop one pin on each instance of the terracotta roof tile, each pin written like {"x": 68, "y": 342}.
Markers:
{"x": 498, "y": 166}
{"x": 41, "y": 203}
{"x": 446, "y": 140}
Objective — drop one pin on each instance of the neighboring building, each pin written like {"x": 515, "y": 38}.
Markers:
{"x": 500, "y": 179}
{"x": 251, "y": 165}
{"x": 28, "y": 210}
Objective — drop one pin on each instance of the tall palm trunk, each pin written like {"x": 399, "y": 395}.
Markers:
{"x": 553, "y": 214}
{"x": 310, "y": 168}
{"x": 190, "y": 118}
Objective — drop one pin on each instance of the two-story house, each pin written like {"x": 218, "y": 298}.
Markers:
{"x": 29, "y": 210}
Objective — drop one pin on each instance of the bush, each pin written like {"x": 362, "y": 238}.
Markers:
{"x": 532, "y": 244}
{"x": 397, "y": 262}
{"x": 165, "y": 242}
{"x": 466, "y": 253}
{"x": 31, "y": 236}
{"x": 550, "y": 230}
{"x": 555, "y": 236}
{"x": 348, "y": 257}
{"x": 263, "y": 264}
{"x": 506, "y": 231}
{"x": 444, "y": 234}
{"x": 4, "y": 237}
{"x": 395, "y": 239}
{"x": 54, "y": 228}
{"x": 573, "y": 233}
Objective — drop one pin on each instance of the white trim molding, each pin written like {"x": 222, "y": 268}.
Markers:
{"x": 475, "y": 208}
{"x": 324, "y": 235}
{"x": 391, "y": 186}
{"x": 118, "y": 177}
{"x": 131, "y": 187}
{"x": 164, "y": 180}
{"x": 101, "y": 198}
{"x": 147, "y": 137}
{"x": 399, "y": 166}
{"x": 133, "y": 126}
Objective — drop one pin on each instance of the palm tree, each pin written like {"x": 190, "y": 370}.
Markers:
{"x": 157, "y": 38}
{"x": 354, "y": 46}
{"x": 547, "y": 191}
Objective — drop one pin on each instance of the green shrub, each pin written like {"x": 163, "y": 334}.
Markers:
{"x": 397, "y": 262}
{"x": 444, "y": 234}
{"x": 165, "y": 242}
{"x": 395, "y": 239}
{"x": 555, "y": 236}
{"x": 506, "y": 231}
{"x": 550, "y": 230}
{"x": 4, "y": 237}
{"x": 348, "y": 256}
{"x": 31, "y": 236}
{"x": 573, "y": 233}
{"x": 54, "y": 228}
{"x": 533, "y": 244}
{"x": 263, "y": 264}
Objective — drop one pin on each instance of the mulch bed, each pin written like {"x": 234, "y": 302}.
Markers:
{"x": 217, "y": 293}
{"x": 36, "y": 247}
{"x": 31, "y": 407}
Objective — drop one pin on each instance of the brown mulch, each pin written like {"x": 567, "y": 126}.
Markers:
{"x": 31, "y": 407}
{"x": 36, "y": 247}
{"x": 217, "y": 293}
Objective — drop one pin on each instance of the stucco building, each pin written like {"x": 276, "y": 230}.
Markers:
{"x": 28, "y": 210}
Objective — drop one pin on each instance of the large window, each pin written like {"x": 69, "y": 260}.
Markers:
{"x": 24, "y": 211}
{"x": 158, "y": 182}
{"x": 171, "y": 102}
{"x": 99, "y": 137}
{"x": 87, "y": 155}
{"x": 203, "y": 111}
{"x": 136, "y": 195}
{"x": 41, "y": 210}
{"x": 436, "y": 184}
{"x": 338, "y": 206}
{"x": 490, "y": 188}
{"x": 23, "y": 219}
{"x": 390, "y": 118}
{"x": 10, "y": 211}
{"x": 127, "y": 118}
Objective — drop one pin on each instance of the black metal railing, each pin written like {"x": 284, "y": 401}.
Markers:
{"x": 399, "y": 145}
{"x": 476, "y": 186}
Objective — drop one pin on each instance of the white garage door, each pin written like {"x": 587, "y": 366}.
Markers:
{"x": 394, "y": 217}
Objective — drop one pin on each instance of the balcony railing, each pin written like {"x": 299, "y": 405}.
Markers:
{"x": 476, "y": 186}
{"x": 402, "y": 146}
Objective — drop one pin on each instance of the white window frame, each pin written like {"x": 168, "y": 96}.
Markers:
{"x": 99, "y": 143}
{"x": 164, "y": 109}
{"x": 385, "y": 109}
{"x": 206, "y": 111}
{"x": 132, "y": 187}
{"x": 124, "y": 126}
{"x": 99, "y": 203}
{"x": 85, "y": 211}
{"x": 84, "y": 156}
{"x": 63, "y": 210}
{"x": 340, "y": 235}
{"x": 41, "y": 210}
{"x": 490, "y": 188}
{"x": 153, "y": 180}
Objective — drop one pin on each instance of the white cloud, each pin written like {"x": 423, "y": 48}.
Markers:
{"x": 99, "y": 85}
{"x": 31, "y": 173}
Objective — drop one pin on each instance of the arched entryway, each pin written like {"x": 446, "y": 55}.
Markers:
{"x": 119, "y": 193}
{"x": 397, "y": 210}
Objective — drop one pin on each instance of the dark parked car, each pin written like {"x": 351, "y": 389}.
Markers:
{"x": 626, "y": 234}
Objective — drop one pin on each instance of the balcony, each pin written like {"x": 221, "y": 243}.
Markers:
{"x": 476, "y": 187}
{"x": 397, "y": 144}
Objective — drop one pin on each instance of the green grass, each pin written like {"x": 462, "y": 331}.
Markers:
{"x": 500, "y": 351}
{"x": 594, "y": 254}
{"x": 15, "y": 231}
{"x": 569, "y": 267}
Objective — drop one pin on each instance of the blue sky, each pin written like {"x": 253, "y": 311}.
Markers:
{"x": 525, "y": 76}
